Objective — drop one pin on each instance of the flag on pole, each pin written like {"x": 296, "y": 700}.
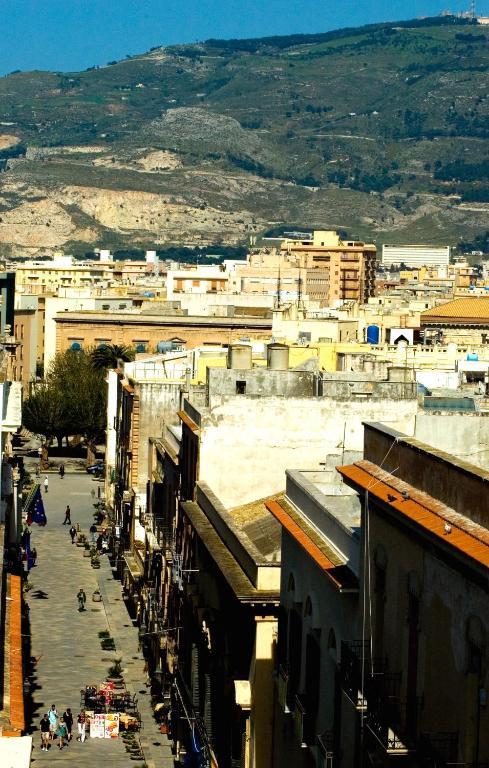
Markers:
{"x": 38, "y": 513}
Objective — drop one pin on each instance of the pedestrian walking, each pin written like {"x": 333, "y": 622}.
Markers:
{"x": 81, "y": 724}
{"x": 61, "y": 471}
{"x": 67, "y": 520}
{"x": 53, "y": 720}
{"x": 73, "y": 534}
{"x": 45, "y": 730}
{"x": 82, "y": 599}
{"x": 93, "y": 533}
{"x": 62, "y": 733}
{"x": 46, "y": 484}
{"x": 68, "y": 718}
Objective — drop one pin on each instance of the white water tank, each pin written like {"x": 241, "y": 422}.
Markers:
{"x": 278, "y": 357}
{"x": 239, "y": 356}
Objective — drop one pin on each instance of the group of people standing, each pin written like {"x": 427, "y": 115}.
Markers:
{"x": 53, "y": 727}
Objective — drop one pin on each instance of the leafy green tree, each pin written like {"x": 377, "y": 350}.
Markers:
{"x": 43, "y": 414}
{"x": 82, "y": 391}
{"x": 108, "y": 356}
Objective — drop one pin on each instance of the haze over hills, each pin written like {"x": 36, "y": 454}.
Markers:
{"x": 380, "y": 130}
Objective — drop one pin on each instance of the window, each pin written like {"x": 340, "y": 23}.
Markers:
{"x": 241, "y": 387}
{"x": 291, "y": 583}
{"x": 476, "y": 642}
{"x": 294, "y": 656}
{"x": 332, "y": 645}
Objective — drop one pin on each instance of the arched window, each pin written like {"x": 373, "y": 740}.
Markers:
{"x": 291, "y": 583}
{"x": 379, "y": 598}
{"x": 332, "y": 650}
{"x": 476, "y": 645}
{"x": 414, "y": 586}
{"x": 308, "y": 607}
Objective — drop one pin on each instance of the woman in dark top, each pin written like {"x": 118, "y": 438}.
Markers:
{"x": 68, "y": 718}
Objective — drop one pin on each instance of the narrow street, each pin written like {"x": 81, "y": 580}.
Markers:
{"x": 66, "y": 643}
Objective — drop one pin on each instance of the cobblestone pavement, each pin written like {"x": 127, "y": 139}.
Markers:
{"x": 66, "y": 644}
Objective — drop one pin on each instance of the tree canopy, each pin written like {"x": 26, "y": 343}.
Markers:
{"x": 70, "y": 401}
{"x": 42, "y": 413}
{"x": 108, "y": 356}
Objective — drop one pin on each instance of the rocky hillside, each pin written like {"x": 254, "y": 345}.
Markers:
{"x": 381, "y": 131}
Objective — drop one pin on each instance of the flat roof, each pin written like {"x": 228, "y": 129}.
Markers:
{"x": 123, "y": 318}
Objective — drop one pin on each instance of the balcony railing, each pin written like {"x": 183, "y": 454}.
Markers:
{"x": 304, "y": 721}
{"x": 375, "y": 691}
{"x": 356, "y": 666}
{"x": 437, "y": 750}
{"x": 392, "y": 720}
{"x": 282, "y": 682}
{"x": 325, "y": 752}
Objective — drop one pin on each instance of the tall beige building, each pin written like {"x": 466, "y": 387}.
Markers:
{"x": 336, "y": 270}
{"x": 322, "y": 269}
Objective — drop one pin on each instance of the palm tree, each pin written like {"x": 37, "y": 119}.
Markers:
{"x": 109, "y": 355}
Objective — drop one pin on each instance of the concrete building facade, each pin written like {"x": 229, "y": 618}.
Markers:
{"x": 144, "y": 331}
{"x": 427, "y": 555}
{"x": 415, "y": 255}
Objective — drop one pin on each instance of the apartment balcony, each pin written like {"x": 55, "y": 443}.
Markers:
{"x": 438, "y": 750}
{"x": 355, "y": 667}
{"x": 390, "y": 719}
{"x": 282, "y": 680}
{"x": 304, "y": 721}
{"x": 324, "y": 752}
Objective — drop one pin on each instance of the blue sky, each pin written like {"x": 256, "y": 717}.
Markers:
{"x": 76, "y": 34}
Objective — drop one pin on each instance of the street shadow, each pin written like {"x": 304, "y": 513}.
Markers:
{"x": 39, "y": 594}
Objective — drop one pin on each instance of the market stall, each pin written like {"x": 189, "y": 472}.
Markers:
{"x": 109, "y": 709}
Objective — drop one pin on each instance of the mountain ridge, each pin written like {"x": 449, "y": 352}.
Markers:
{"x": 380, "y": 130}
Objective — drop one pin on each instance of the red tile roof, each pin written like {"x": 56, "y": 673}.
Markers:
{"x": 424, "y": 511}
{"x": 341, "y": 576}
{"x": 465, "y": 310}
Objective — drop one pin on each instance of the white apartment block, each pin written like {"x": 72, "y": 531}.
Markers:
{"x": 416, "y": 255}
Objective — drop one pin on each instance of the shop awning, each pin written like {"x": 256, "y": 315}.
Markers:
{"x": 133, "y": 566}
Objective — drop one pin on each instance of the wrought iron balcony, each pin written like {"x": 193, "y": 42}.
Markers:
{"x": 392, "y": 720}
{"x": 304, "y": 721}
{"x": 325, "y": 750}
{"x": 355, "y": 667}
{"x": 282, "y": 683}
{"x": 438, "y": 749}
